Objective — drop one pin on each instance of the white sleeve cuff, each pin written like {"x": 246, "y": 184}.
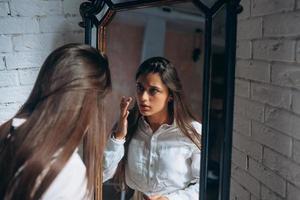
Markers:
{"x": 118, "y": 141}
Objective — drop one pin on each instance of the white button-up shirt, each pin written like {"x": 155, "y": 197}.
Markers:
{"x": 71, "y": 181}
{"x": 165, "y": 162}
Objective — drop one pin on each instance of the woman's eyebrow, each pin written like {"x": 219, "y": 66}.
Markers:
{"x": 149, "y": 86}
{"x": 155, "y": 87}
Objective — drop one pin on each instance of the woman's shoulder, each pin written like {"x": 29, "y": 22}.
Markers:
{"x": 70, "y": 183}
{"x": 197, "y": 126}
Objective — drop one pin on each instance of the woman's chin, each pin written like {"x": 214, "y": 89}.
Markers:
{"x": 145, "y": 113}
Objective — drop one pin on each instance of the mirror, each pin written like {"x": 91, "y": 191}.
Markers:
{"x": 194, "y": 36}
{"x": 172, "y": 31}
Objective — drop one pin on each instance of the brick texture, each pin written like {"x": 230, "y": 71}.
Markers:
{"x": 33, "y": 28}
{"x": 267, "y": 66}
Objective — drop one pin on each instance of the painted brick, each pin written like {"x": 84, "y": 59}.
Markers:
{"x": 2, "y": 62}
{"x": 281, "y": 27}
{"x": 253, "y": 70}
{"x": 272, "y": 139}
{"x": 242, "y": 124}
{"x": 283, "y": 121}
{"x": 298, "y": 52}
{"x": 21, "y": 25}
{"x": 243, "y": 49}
{"x": 6, "y": 44}
{"x": 248, "y": 146}
{"x": 293, "y": 193}
{"x": 4, "y": 9}
{"x": 282, "y": 165}
{"x": 265, "y": 7}
{"x": 239, "y": 158}
{"x": 246, "y": 9}
{"x": 286, "y": 75}
{"x": 35, "y": 8}
{"x": 248, "y": 182}
{"x": 77, "y": 36}
{"x": 296, "y": 102}
{"x": 25, "y": 60}
{"x": 58, "y": 24}
{"x": 250, "y": 109}
{"x": 38, "y": 42}
{"x": 249, "y": 29}
{"x": 237, "y": 192}
{"x": 275, "y": 96}
{"x": 267, "y": 194}
{"x": 267, "y": 177}
{"x": 8, "y": 78}
{"x": 8, "y": 110}
{"x": 252, "y": 197}
{"x": 28, "y": 76}
{"x": 296, "y": 151}
{"x": 242, "y": 88}
{"x": 14, "y": 94}
{"x": 274, "y": 50}
{"x": 72, "y": 6}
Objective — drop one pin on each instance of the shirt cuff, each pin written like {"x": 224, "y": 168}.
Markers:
{"x": 117, "y": 141}
{"x": 114, "y": 145}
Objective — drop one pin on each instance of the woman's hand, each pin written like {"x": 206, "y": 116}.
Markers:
{"x": 121, "y": 130}
{"x": 156, "y": 197}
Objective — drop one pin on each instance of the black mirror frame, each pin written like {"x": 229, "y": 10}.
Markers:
{"x": 90, "y": 9}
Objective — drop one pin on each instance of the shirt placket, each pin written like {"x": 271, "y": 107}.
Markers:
{"x": 152, "y": 159}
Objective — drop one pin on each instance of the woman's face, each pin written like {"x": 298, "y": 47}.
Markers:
{"x": 152, "y": 95}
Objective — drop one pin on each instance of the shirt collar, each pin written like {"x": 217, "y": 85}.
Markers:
{"x": 146, "y": 127}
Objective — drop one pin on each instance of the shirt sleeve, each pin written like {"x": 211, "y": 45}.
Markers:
{"x": 113, "y": 153}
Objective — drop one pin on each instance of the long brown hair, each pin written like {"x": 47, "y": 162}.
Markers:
{"x": 178, "y": 108}
{"x": 64, "y": 108}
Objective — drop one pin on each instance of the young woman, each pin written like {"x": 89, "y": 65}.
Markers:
{"x": 155, "y": 148}
{"x": 38, "y": 146}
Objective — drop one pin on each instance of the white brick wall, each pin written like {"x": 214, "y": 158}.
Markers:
{"x": 29, "y": 31}
{"x": 266, "y": 140}
{"x": 266, "y": 7}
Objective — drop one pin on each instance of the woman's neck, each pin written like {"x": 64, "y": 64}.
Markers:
{"x": 157, "y": 120}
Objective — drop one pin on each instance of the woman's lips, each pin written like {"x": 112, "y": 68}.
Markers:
{"x": 144, "y": 107}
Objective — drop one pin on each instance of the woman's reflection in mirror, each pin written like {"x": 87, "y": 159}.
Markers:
{"x": 155, "y": 147}
{"x": 38, "y": 146}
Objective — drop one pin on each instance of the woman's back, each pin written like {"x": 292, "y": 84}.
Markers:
{"x": 64, "y": 108}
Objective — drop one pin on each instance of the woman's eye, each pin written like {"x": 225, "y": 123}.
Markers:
{"x": 139, "y": 88}
{"x": 153, "y": 91}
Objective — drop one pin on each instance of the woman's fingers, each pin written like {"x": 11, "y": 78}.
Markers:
{"x": 121, "y": 130}
{"x": 125, "y": 102}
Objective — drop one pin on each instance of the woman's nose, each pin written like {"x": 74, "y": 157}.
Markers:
{"x": 144, "y": 96}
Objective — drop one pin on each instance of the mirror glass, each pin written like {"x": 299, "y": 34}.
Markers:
{"x": 173, "y": 31}
{"x": 216, "y": 103}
